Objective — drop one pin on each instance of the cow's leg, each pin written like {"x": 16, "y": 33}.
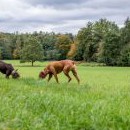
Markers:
{"x": 50, "y": 76}
{"x": 8, "y": 74}
{"x": 75, "y": 75}
{"x": 7, "y": 77}
{"x": 66, "y": 72}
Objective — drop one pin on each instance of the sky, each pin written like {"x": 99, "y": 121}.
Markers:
{"x": 60, "y": 16}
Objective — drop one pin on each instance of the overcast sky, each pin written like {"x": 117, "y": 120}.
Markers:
{"x": 59, "y": 15}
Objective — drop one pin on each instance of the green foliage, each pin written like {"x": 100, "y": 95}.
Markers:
{"x": 32, "y": 51}
{"x": 125, "y": 32}
{"x": 125, "y": 56}
{"x": 5, "y": 48}
{"x": 63, "y": 46}
{"x": 111, "y": 49}
{"x": 48, "y": 41}
{"x": 85, "y": 40}
{"x": 16, "y": 52}
{"x": 0, "y": 53}
{"x": 125, "y": 44}
{"x": 101, "y": 41}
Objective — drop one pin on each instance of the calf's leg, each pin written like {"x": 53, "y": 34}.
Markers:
{"x": 75, "y": 75}
{"x": 66, "y": 72}
{"x": 54, "y": 73}
{"x": 50, "y": 76}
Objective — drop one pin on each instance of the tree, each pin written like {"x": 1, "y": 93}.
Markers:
{"x": 48, "y": 41}
{"x": 32, "y": 51}
{"x": 111, "y": 49}
{"x": 101, "y": 29}
{"x": 5, "y": 41}
{"x": 125, "y": 44}
{"x": 0, "y": 53}
{"x": 72, "y": 51}
{"x": 125, "y": 32}
{"x": 84, "y": 39}
{"x": 125, "y": 56}
{"x": 63, "y": 46}
{"x": 16, "y": 52}
{"x": 91, "y": 40}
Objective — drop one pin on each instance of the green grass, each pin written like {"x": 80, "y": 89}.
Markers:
{"x": 100, "y": 102}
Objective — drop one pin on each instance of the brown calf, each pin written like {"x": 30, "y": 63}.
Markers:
{"x": 57, "y": 67}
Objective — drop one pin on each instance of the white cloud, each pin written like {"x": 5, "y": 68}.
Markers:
{"x": 57, "y": 15}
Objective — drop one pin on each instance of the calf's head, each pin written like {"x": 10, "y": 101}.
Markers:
{"x": 43, "y": 74}
{"x": 15, "y": 74}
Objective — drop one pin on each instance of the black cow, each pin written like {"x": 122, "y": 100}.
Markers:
{"x": 8, "y": 70}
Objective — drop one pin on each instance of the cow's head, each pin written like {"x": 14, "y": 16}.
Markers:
{"x": 43, "y": 74}
{"x": 15, "y": 74}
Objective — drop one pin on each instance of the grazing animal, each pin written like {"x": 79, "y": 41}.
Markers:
{"x": 8, "y": 70}
{"x": 57, "y": 67}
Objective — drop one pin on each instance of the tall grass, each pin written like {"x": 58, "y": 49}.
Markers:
{"x": 101, "y": 101}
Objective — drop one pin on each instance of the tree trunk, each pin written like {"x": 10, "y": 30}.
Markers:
{"x": 32, "y": 63}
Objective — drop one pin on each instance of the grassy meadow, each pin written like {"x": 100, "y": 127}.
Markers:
{"x": 100, "y": 102}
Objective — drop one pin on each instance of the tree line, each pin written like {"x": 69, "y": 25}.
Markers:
{"x": 102, "y": 41}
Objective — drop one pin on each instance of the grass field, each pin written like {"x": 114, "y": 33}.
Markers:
{"x": 100, "y": 102}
